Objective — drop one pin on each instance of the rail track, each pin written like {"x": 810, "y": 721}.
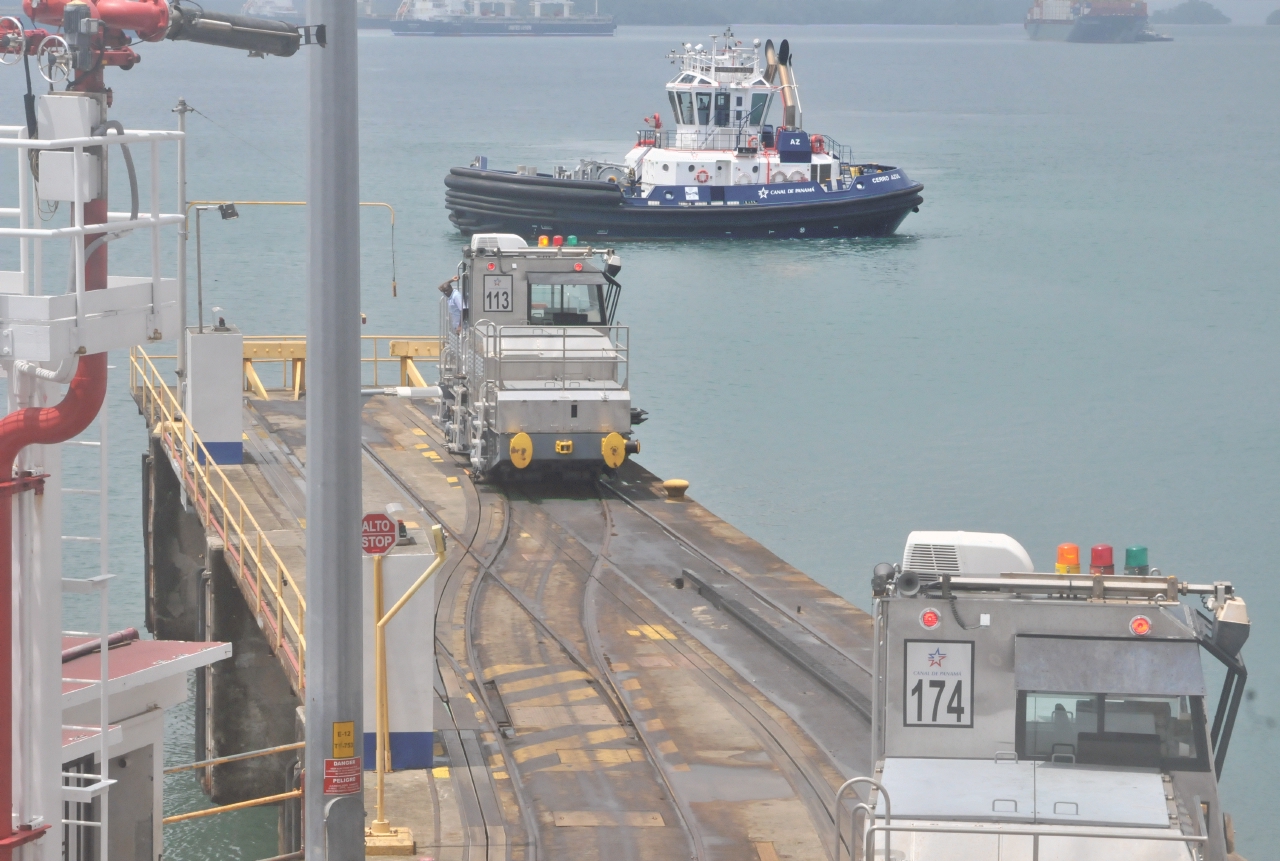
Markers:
{"x": 571, "y": 737}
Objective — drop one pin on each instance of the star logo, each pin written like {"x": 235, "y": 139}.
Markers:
{"x": 764, "y": 192}
{"x": 937, "y": 657}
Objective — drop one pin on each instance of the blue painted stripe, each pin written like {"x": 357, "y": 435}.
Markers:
{"x": 223, "y": 452}
{"x": 408, "y": 750}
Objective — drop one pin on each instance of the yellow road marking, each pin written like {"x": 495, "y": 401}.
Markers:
{"x": 543, "y": 681}
{"x": 634, "y": 633}
{"x": 440, "y": 772}
{"x": 500, "y": 775}
{"x": 419, "y": 432}
{"x": 654, "y": 724}
{"x": 667, "y": 746}
{"x": 503, "y": 669}
{"x": 421, "y": 445}
{"x": 766, "y": 851}
{"x": 607, "y": 819}
{"x": 656, "y": 632}
{"x": 631, "y": 685}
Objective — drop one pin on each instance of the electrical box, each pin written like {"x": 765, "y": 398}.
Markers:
{"x": 62, "y": 116}
{"x": 410, "y": 659}
{"x": 215, "y": 391}
{"x": 58, "y": 176}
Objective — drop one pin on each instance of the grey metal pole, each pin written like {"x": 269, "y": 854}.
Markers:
{"x": 182, "y": 110}
{"x": 199, "y": 277}
{"x": 334, "y": 673}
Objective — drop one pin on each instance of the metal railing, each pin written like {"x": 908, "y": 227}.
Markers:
{"x": 988, "y": 829}
{"x": 556, "y": 357}
{"x": 377, "y": 351}
{"x": 275, "y": 595}
{"x": 730, "y": 139}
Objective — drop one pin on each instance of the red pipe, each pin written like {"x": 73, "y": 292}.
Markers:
{"x": 119, "y": 638}
{"x": 39, "y": 426}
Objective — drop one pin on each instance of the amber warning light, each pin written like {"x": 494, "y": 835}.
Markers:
{"x": 930, "y": 619}
{"x": 1140, "y": 626}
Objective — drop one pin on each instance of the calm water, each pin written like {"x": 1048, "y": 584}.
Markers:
{"x": 1075, "y": 339}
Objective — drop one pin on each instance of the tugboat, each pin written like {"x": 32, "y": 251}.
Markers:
{"x": 722, "y": 171}
{"x": 496, "y": 18}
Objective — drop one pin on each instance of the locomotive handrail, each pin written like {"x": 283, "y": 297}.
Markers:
{"x": 1034, "y": 832}
{"x": 498, "y": 349}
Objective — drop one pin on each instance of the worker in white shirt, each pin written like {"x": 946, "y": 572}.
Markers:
{"x": 455, "y": 303}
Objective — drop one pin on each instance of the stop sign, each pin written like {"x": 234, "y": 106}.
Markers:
{"x": 377, "y": 533}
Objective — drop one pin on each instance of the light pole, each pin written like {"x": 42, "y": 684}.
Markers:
{"x": 228, "y": 211}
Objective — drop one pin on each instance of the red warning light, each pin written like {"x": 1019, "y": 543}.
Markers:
{"x": 577, "y": 267}
{"x": 930, "y": 619}
{"x": 493, "y": 266}
{"x": 1140, "y": 626}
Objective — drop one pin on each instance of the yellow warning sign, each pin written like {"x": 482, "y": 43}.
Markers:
{"x": 344, "y": 739}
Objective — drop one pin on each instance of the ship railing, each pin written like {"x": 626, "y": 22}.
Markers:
{"x": 726, "y": 139}
{"x": 712, "y": 138}
{"x": 551, "y": 357}
{"x": 384, "y": 360}
{"x": 263, "y": 577}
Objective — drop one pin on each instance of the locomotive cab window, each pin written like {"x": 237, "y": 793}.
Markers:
{"x": 566, "y": 304}
{"x": 1165, "y": 732}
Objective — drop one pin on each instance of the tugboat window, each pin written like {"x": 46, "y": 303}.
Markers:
{"x": 675, "y": 106}
{"x": 1112, "y": 729}
{"x": 759, "y": 101}
{"x": 739, "y": 102}
{"x": 686, "y": 108}
{"x": 565, "y": 304}
{"x": 704, "y": 109}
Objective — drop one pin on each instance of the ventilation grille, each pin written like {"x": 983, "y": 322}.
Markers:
{"x": 933, "y": 557}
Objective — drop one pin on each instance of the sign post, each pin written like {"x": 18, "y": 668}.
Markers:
{"x": 379, "y": 535}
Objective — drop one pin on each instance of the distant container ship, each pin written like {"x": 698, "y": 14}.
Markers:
{"x": 496, "y": 18}
{"x": 1068, "y": 21}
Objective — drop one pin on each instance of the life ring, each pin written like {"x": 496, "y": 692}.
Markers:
{"x": 817, "y": 144}
{"x": 752, "y": 142}
{"x": 702, "y": 176}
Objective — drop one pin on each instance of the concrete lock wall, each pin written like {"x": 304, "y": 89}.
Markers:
{"x": 174, "y": 545}
{"x": 249, "y": 702}
{"x": 242, "y": 704}
{"x": 410, "y": 662}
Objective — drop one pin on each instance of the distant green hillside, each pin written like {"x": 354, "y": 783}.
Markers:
{"x": 1190, "y": 12}
{"x": 722, "y": 12}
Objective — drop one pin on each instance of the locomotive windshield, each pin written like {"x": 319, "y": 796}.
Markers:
{"x": 566, "y": 304}
{"x": 1113, "y": 729}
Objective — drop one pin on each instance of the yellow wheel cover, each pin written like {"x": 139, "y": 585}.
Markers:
{"x": 521, "y": 450}
{"x": 614, "y": 449}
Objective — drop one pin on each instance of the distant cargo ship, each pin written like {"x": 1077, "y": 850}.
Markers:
{"x": 496, "y": 18}
{"x": 277, "y": 10}
{"x": 1068, "y": 21}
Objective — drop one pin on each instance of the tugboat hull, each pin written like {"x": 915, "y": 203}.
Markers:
{"x": 489, "y": 201}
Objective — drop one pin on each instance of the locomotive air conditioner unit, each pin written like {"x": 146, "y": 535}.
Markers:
{"x": 975, "y": 553}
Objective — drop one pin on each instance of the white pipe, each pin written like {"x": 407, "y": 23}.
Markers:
{"x": 63, "y": 374}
